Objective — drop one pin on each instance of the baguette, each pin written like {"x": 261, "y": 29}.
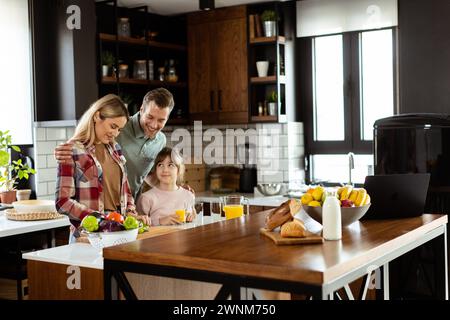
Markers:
{"x": 281, "y": 215}
{"x": 293, "y": 229}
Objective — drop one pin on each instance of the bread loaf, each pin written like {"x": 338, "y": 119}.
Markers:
{"x": 293, "y": 229}
{"x": 285, "y": 212}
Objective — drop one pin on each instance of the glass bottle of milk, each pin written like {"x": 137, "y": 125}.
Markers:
{"x": 331, "y": 217}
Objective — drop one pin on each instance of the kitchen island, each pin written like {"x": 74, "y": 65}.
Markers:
{"x": 234, "y": 255}
{"x": 75, "y": 271}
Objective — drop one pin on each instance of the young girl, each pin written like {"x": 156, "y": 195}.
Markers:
{"x": 166, "y": 197}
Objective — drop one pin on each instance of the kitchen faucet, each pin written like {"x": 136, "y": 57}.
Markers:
{"x": 351, "y": 165}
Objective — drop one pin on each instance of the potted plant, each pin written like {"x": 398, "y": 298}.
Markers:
{"x": 269, "y": 18}
{"x": 272, "y": 100}
{"x": 10, "y": 171}
{"x": 107, "y": 63}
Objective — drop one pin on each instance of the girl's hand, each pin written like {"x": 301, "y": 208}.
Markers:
{"x": 169, "y": 220}
{"x": 191, "y": 216}
{"x": 145, "y": 219}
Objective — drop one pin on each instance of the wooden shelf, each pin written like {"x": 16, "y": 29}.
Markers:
{"x": 178, "y": 121}
{"x": 264, "y": 118}
{"x": 156, "y": 83}
{"x": 141, "y": 42}
{"x": 268, "y": 40}
{"x": 269, "y": 79}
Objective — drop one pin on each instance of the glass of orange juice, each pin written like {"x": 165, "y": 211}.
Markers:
{"x": 181, "y": 214}
{"x": 233, "y": 206}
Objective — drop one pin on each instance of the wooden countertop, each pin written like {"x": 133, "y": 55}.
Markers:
{"x": 236, "y": 247}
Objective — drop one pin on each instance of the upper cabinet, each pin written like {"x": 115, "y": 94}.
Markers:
{"x": 271, "y": 62}
{"x": 64, "y": 59}
{"x": 139, "y": 51}
{"x": 218, "y": 75}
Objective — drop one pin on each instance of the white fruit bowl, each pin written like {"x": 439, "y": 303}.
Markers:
{"x": 102, "y": 240}
{"x": 25, "y": 206}
{"x": 348, "y": 215}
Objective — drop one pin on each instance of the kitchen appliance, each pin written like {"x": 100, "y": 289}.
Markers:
{"x": 417, "y": 143}
{"x": 248, "y": 175}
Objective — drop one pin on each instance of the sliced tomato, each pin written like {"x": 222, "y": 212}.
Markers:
{"x": 115, "y": 216}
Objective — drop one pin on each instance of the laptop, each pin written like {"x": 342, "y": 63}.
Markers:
{"x": 396, "y": 195}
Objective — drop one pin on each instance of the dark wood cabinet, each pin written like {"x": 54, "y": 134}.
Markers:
{"x": 217, "y": 54}
{"x": 64, "y": 60}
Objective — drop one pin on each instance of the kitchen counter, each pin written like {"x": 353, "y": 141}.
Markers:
{"x": 12, "y": 227}
{"x": 254, "y": 200}
{"x": 84, "y": 255}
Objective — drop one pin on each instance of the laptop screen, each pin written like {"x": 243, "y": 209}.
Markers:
{"x": 396, "y": 195}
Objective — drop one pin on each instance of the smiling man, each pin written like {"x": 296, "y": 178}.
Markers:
{"x": 141, "y": 139}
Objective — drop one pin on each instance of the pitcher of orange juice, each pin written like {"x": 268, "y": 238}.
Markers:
{"x": 233, "y": 206}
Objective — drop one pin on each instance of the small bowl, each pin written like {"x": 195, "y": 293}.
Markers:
{"x": 25, "y": 206}
{"x": 269, "y": 189}
{"x": 348, "y": 214}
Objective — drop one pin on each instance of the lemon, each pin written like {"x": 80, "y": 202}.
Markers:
{"x": 317, "y": 194}
{"x": 306, "y": 198}
{"x": 361, "y": 198}
{"x": 314, "y": 203}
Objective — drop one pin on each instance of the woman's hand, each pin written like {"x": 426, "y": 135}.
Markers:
{"x": 169, "y": 220}
{"x": 63, "y": 153}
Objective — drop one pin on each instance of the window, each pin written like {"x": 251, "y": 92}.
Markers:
{"x": 351, "y": 86}
{"x": 15, "y": 65}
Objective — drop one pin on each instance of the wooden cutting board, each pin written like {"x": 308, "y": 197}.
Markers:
{"x": 276, "y": 237}
{"x": 157, "y": 231}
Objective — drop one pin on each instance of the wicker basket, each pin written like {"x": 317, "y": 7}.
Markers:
{"x": 12, "y": 214}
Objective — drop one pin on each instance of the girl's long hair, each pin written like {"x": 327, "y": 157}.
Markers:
{"x": 176, "y": 158}
{"x": 109, "y": 106}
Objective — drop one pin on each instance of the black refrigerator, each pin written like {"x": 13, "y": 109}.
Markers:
{"x": 417, "y": 143}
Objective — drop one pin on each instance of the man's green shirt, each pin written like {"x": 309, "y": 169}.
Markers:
{"x": 139, "y": 151}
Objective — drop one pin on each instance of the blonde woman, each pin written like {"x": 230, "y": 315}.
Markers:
{"x": 167, "y": 196}
{"x": 96, "y": 179}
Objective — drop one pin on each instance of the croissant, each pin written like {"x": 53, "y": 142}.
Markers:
{"x": 285, "y": 212}
{"x": 293, "y": 229}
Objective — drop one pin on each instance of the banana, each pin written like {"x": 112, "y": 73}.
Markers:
{"x": 339, "y": 191}
{"x": 353, "y": 195}
{"x": 367, "y": 200}
{"x": 346, "y": 192}
{"x": 361, "y": 198}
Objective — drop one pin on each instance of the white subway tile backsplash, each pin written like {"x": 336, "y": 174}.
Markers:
{"x": 56, "y": 134}
{"x": 40, "y": 134}
{"x": 45, "y": 175}
{"x": 45, "y": 147}
{"x": 273, "y": 176}
{"x": 41, "y": 162}
{"x": 51, "y": 161}
{"x": 294, "y": 128}
{"x": 51, "y": 187}
{"x": 42, "y": 189}
{"x": 69, "y": 132}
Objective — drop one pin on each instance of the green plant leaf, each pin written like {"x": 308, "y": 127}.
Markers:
{"x": 16, "y": 148}
{"x": 4, "y": 158}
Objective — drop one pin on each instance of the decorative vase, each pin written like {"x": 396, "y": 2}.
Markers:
{"x": 105, "y": 70}
{"x": 272, "y": 106}
{"x": 23, "y": 194}
{"x": 8, "y": 196}
{"x": 269, "y": 28}
{"x": 262, "y": 67}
